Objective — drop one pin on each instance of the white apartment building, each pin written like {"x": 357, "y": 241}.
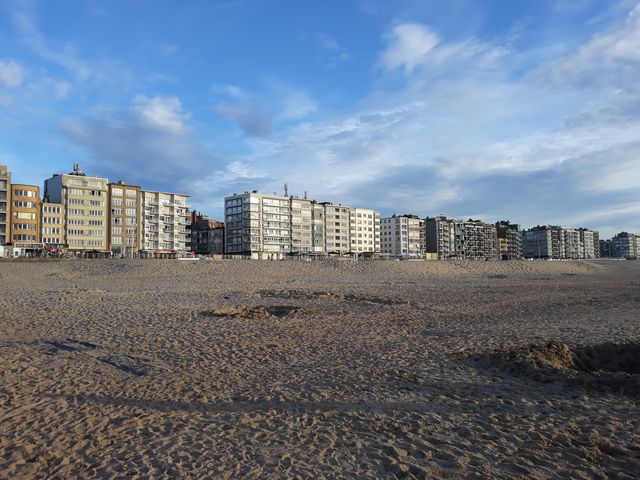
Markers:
{"x": 364, "y": 230}
{"x": 85, "y": 203}
{"x": 164, "y": 221}
{"x": 402, "y": 235}
{"x": 270, "y": 226}
{"x": 258, "y": 224}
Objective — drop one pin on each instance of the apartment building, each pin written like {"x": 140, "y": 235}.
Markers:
{"x": 451, "y": 239}
{"x": 480, "y": 240}
{"x": 364, "y": 230}
{"x": 165, "y": 217}
{"x": 554, "y": 242}
{"x": 52, "y": 226}
{"x": 337, "y": 228}
{"x": 85, "y": 202}
{"x": 124, "y": 218}
{"x": 25, "y": 216}
{"x": 589, "y": 243}
{"x": 317, "y": 228}
{"x": 444, "y": 237}
{"x": 5, "y": 205}
{"x": 625, "y": 245}
{"x": 606, "y": 249}
{"x": 301, "y": 225}
{"x": 509, "y": 240}
{"x": 402, "y": 235}
{"x": 207, "y": 235}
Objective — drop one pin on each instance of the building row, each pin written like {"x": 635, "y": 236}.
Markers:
{"x": 81, "y": 213}
{"x": 78, "y": 213}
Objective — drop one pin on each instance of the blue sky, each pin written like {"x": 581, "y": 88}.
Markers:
{"x": 494, "y": 109}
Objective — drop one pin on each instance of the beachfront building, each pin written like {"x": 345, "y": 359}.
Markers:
{"x": 606, "y": 249}
{"x": 5, "y": 205}
{"x": 337, "y": 228}
{"x": 124, "y": 218}
{"x": 165, "y": 217}
{"x": 509, "y": 238}
{"x": 364, "y": 230}
{"x": 52, "y": 226}
{"x": 554, "y": 242}
{"x": 317, "y": 228}
{"x": 85, "y": 202}
{"x": 25, "y": 217}
{"x": 589, "y": 243}
{"x": 207, "y": 235}
{"x": 402, "y": 235}
{"x": 301, "y": 223}
{"x": 452, "y": 239}
{"x": 625, "y": 245}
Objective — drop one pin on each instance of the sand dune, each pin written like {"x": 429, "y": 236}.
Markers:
{"x": 242, "y": 369}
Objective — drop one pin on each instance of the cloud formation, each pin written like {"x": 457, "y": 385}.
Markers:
{"x": 408, "y": 46}
{"x": 11, "y": 73}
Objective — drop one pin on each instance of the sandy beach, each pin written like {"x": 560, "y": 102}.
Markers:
{"x": 290, "y": 369}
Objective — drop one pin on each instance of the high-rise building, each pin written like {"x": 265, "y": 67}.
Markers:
{"x": 402, "y": 235}
{"x": 5, "y": 205}
{"x": 85, "y": 202}
{"x": 125, "y": 218}
{"x": 364, "y": 230}
{"x": 625, "y": 245}
{"x": 164, "y": 222}
{"x": 554, "y": 242}
{"x": 337, "y": 228}
{"x": 52, "y": 226}
{"x": 509, "y": 240}
{"x": 460, "y": 239}
{"x": 25, "y": 216}
{"x": 301, "y": 223}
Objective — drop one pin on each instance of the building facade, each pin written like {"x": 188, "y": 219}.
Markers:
{"x": 554, "y": 242}
{"x": 207, "y": 235}
{"x": 85, "y": 202}
{"x": 25, "y": 216}
{"x": 509, "y": 240}
{"x": 402, "y": 235}
{"x": 364, "y": 230}
{"x": 625, "y": 245}
{"x": 5, "y": 205}
{"x": 452, "y": 239}
{"x": 52, "y": 226}
{"x": 165, "y": 217}
{"x": 125, "y": 218}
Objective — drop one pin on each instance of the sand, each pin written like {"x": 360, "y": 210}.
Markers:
{"x": 248, "y": 369}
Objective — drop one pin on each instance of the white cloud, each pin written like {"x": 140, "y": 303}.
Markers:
{"x": 163, "y": 112}
{"x": 409, "y": 45}
{"x": 297, "y": 105}
{"x": 11, "y": 73}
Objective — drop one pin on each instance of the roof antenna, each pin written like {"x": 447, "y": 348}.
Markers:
{"x": 286, "y": 190}
{"x": 305, "y": 194}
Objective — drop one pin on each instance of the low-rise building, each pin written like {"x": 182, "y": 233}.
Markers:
{"x": 554, "y": 242}
{"x": 207, "y": 235}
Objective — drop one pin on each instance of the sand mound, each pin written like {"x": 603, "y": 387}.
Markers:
{"x": 607, "y": 366}
{"x": 314, "y": 295}
{"x": 246, "y": 311}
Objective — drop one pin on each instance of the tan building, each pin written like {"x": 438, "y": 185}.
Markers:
{"x": 5, "y": 205}
{"x": 25, "y": 216}
{"x": 164, "y": 221}
{"x": 364, "y": 230}
{"x": 52, "y": 226}
{"x": 124, "y": 231}
{"x": 85, "y": 201}
{"x": 336, "y": 228}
